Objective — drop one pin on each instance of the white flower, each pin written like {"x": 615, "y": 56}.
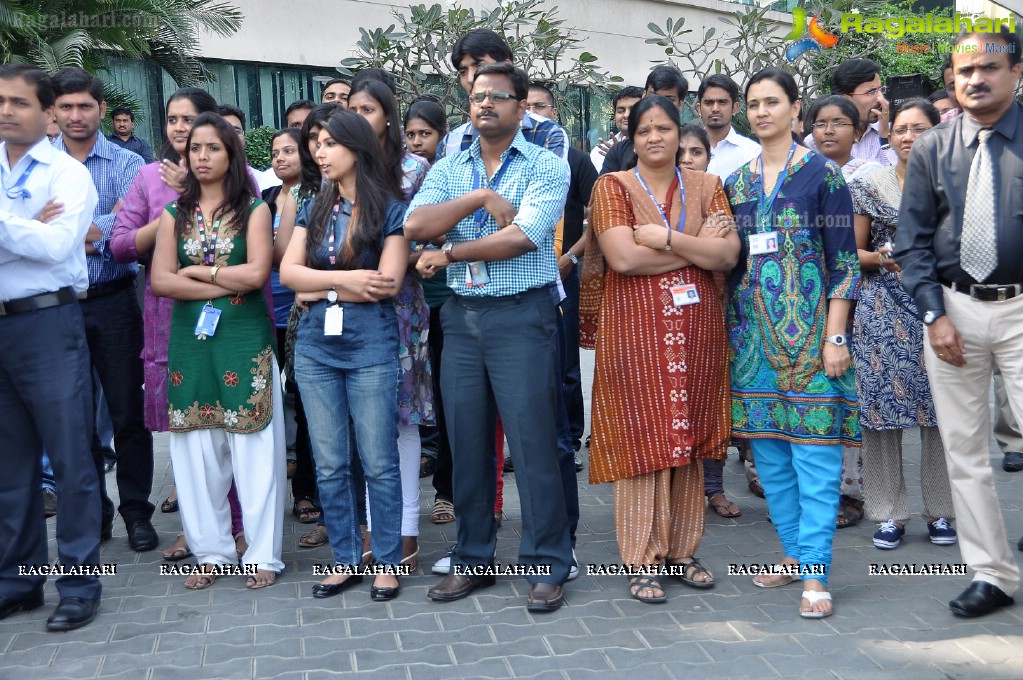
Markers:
{"x": 192, "y": 247}
{"x": 258, "y": 383}
{"x": 178, "y": 418}
{"x": 230, "y": 417}
{"x": 200, "y": 336}
{"x": 225, "y": 245}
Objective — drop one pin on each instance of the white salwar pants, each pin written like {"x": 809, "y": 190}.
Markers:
{"x": 205, "y": 461}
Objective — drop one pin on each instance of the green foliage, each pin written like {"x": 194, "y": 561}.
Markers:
{"x": 257, "y": 146}
{"x": 417, "y": 49}
{"x": 54, "y": 34}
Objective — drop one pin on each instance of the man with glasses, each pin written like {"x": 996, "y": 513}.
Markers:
{"x": 859, "y": 80}
{"x": 497, "y": 204}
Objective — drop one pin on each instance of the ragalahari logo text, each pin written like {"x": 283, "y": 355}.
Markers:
{"x": 818, "y": 37}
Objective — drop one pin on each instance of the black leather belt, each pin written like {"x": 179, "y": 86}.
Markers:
{"x": 986, "y": 293}
{"x": 107, "y": 288}
{"x": 64, "y": 296}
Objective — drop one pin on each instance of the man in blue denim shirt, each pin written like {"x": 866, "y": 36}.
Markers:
{"x": 498, "y": 203}
{"x": 113, "y": 321}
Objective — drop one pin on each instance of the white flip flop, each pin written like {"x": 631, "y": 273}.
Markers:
{"x": 813, "y": 597}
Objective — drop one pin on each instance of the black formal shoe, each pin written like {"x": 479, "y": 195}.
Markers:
{"x": 72, "y": 612}
{"x": 141, "y": 535}
{"x": 979, "y": 599}
{"x": 545, "y": 597}
{"x": 9, "y": 605}
{"x": 455, "y": 586}
{"x": 321, "y": 590}
{"x": 1012, "y": 461}
{"x": 378, "y": 594}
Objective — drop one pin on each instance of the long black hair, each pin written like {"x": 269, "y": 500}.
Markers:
{"x": 394, "y": 144}
{"x": 203, "y": 102}
{"x": 238, "y": 193}
{"x": 641, "y": 107}
{"x": 309, "y": 174}
{"x": 373, "y": 193}
{"x": 312, "y": 179}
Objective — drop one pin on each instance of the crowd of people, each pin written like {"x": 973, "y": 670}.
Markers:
{"x": 398, "y": 299}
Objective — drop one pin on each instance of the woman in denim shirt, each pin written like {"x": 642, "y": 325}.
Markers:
{"x": 344, "y": 261}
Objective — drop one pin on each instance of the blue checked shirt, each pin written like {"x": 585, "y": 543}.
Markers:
{"x": 113, "y": 171}
{"x": 537, "y": 130}
{"x": 535, "y": 182}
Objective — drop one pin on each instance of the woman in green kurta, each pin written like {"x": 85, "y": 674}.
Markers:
{"x": 213, "y": 255}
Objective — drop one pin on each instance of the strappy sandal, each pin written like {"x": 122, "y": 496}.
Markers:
{"x": 443, "y": 512}
{"x": 307, "y": 514}
{"x": 690, "y": 570}
{"x": 813, "y": 597}
{"x": 637, "y": 584}
{"x": 722, "y": 506}
{"x": 202, "y": 579}
{"x": 850, "y": 512}
{"x": 427, "y": 466}
{"x": 169, "y": 505}
{"x": 314, "y": 538}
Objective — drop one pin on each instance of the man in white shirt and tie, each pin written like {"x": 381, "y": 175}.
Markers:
{"x": 46, "y": 206}
{"x": 717, "y": 101}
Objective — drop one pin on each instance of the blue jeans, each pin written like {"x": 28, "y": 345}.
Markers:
{"x": 370, "y": 396}
{"x": 801, "y": 486}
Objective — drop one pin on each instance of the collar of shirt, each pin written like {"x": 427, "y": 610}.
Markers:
{"x": 103, "y": 147}
{"x": 475, "y": 152}
{"x": 529, "y": 121}
{"x": 1005, "y": 126}
{"x": 733, "y": 138}
{"x": 41, "y": 151}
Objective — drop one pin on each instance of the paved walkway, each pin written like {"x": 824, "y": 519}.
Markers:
{"x": 884, "y": 627}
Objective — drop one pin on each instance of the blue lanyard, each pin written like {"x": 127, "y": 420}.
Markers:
{"x": 681, "y": 193}
{"x": 477, "y": 182}
{"x": 766, "y": 204}
{"x": 18, "y": 190}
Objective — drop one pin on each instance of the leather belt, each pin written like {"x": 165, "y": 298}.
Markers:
{"x": 986, "y": 292}
{"x": 64, "y": 296}
{"x": 107, "y": 288}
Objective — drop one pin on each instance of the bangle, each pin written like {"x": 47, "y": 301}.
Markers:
{"x": 667, "y": 242}
{"x": 213, "y": 273}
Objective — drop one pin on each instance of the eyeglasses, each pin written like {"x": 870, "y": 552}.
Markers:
{"x": 495, "y": 97}
{"x": 835, "y": 125}
{"x": 874, "y": 91}
{"x": 916, "y": 130}
{"x": 539, "y": 107}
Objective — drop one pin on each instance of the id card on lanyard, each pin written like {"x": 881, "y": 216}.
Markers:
{"x": 765, "y": 240}
{"x": 476, "y": 273}
{"x": 682, "y": 294}
{"x": 18, "y": 190}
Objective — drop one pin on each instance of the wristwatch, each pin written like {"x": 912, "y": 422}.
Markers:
{"x": 837, "y": 340}
{"x": 446, "y": 249}
{"x": 571, "y": 256}
{"x": 332, "y": 296}
{"x": 932, "y": 315}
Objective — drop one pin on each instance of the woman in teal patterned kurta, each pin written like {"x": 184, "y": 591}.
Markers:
{"x": 793, "y": 393}
{"x": 213, "y": 255}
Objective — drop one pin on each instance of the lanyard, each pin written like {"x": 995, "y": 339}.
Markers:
{"x": 209, "y": 247}
{"x": 332, "y": 230}
{"x": 766, "y": 204}
{"x": 681, "y": 193}
{"x": 477, "y": 182}
{"x": 18, "y": 190}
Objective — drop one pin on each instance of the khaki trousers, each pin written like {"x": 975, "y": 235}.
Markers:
{"x": 993, "y": 335}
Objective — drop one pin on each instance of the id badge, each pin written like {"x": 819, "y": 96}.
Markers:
{"x": 334, "y": 320}
{"x": 683, "y": 294}
{"x": 209, "y": 317}
{"x": 763, "y": 243}
{"x": 476, "y": 273}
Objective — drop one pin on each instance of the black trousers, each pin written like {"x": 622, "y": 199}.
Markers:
{"x": 442, "y": 473}
{"x": 46, "y": 401}
{"x": 501, "y": 358}
{"x": 113, "y": 329}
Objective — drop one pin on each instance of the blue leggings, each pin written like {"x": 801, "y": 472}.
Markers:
{"x": 801, "y": 483}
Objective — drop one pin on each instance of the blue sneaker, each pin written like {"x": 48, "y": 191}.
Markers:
{"x": 889, "y": 535}
{"x": 942, "y": 532}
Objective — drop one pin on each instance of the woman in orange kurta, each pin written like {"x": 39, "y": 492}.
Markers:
{"x": 652, "y": 305}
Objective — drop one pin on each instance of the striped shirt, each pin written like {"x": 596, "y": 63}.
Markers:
{"x": 113, "y": 171}
{"x": 535, "y": 182}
